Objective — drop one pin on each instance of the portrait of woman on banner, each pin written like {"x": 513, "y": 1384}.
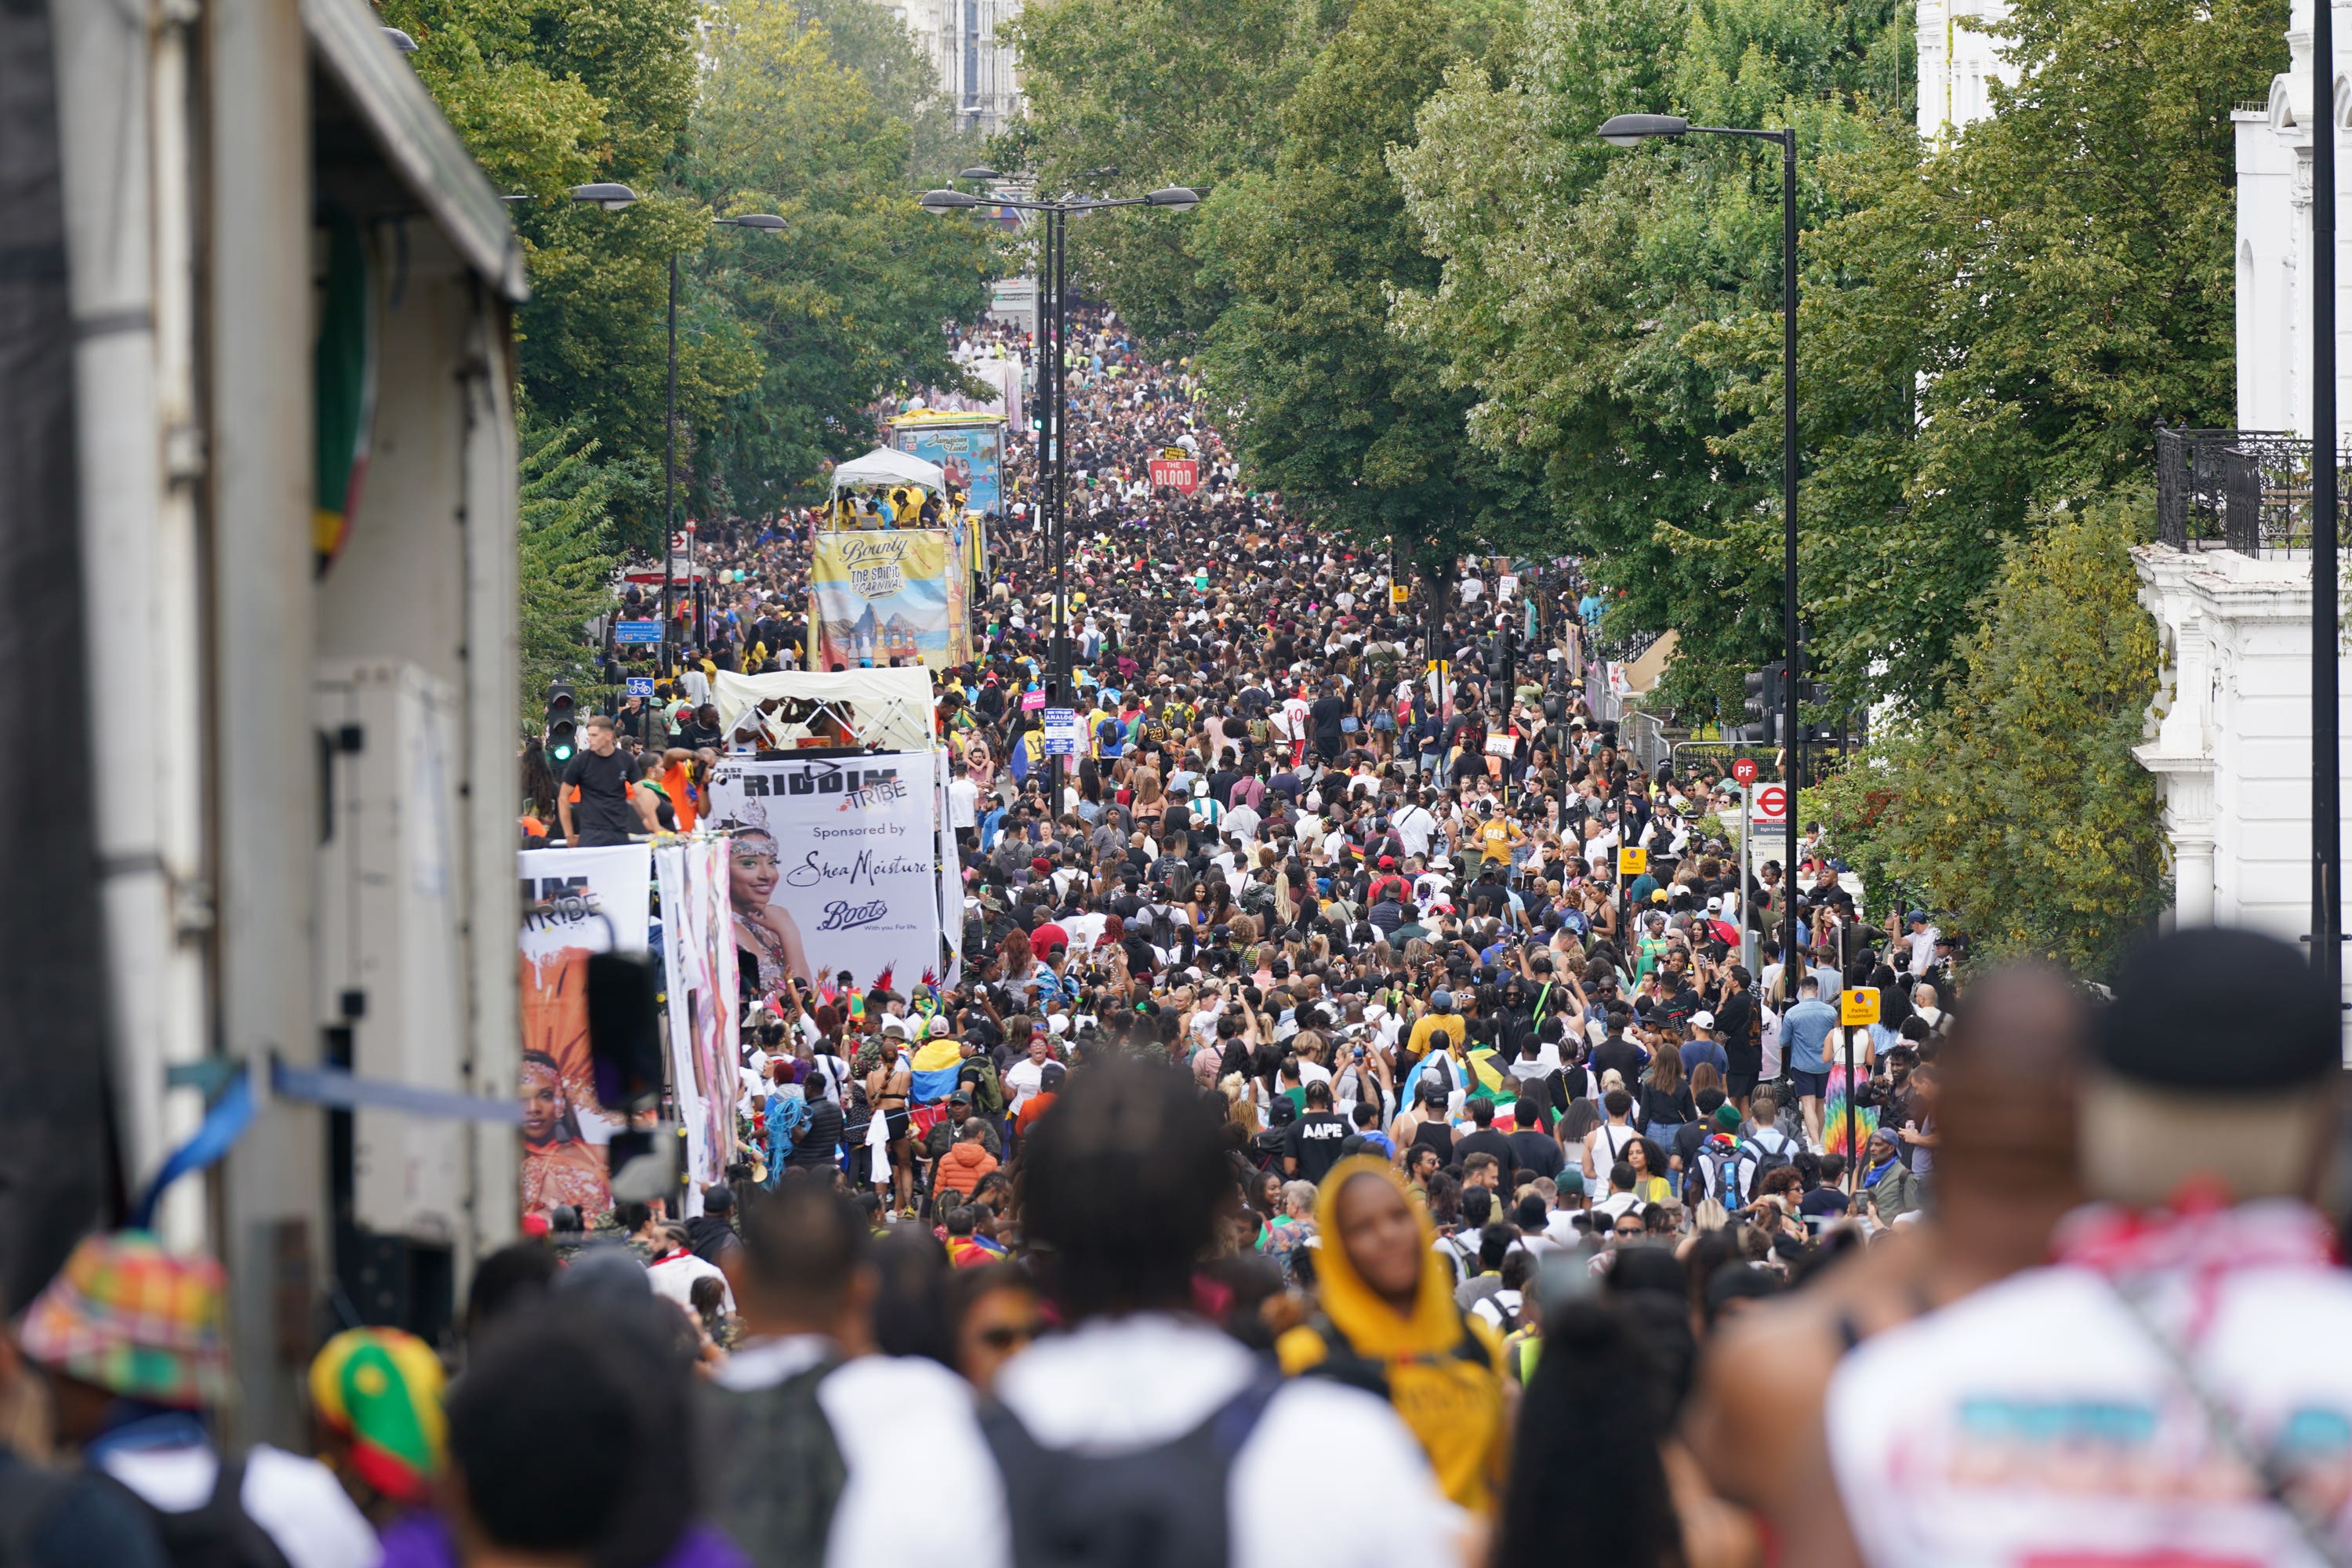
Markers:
{"x": 765, "y": 930}
{"x": 559, "y": 1167}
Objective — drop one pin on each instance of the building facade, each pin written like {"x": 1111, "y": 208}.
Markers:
{"x": 1958, "y": 61}
{"x": 979, "y": 76}
{"x": 2274, "y": 161}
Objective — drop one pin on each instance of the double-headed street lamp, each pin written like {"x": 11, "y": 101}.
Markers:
{"x": 1632, "y": 130}
{"x": 1051, "y": 410}
{"x": 613, "y": 197}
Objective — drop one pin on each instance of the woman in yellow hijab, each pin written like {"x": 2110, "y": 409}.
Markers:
{"x": 1387, "y": 1323}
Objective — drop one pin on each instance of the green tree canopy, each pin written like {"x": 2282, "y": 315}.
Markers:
{"x": 2019, "y": 806}
{"x": 1351, "y": 422}
{"x": 1129, "y": 95}
{"x": 1575, "y": 275}
{"x": 1996, "y": 328}
{"x": 849, "y": 298}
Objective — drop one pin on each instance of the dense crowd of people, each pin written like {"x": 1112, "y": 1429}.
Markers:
{"x": 1345, "y": 1162}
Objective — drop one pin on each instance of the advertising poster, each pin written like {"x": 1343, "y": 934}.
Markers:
{"x": 971, "y": 451}
{"x": 575, "y": 902}
{"x": 833, "y": 866}
{"x": 882, "y": 594}
{"x": 699, "y": 952}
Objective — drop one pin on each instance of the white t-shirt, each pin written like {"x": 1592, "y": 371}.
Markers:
{"x": 1414, "y": 828}
{"x": 963, "y": 799}
{"x": 1024, "y": 1077}
{"x": 1120, "y": 1385}
{"x": 673, "y": 1280}
{"x": 296, "y": 1501}
{"x": 2036, "y": 1421}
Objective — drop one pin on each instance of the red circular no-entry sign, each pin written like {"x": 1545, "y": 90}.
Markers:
{"x": 1743, "y": 770}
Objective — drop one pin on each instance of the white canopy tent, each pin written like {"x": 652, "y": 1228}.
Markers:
{"x": 887, "y": 708}
{"x": 884, "y": 466}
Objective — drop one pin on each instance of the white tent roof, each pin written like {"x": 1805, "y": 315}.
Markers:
{"x": 884, "y": 466}
{"x": 890, "y": 708}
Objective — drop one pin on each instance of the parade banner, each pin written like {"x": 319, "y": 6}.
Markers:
{"x": 1177, "y": 469}
{"x": 833, "y": 866}
{"x": 575, "y": 902}
{"x": 969, "y": 448}
{"x": 885, "y": 593}
{"x": 699, "y": 949}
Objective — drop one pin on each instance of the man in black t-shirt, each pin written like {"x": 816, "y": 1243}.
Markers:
{"x": 1483, "y": 1139}
{"x": 1534, "y": 1150}
{"x": 1310, "y": 1146}
{"x": 611, "y": 805}
{"x": 1327, "y": 714}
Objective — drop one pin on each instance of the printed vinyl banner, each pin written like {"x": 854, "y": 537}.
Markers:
{"x": 971, "y": 453}
{"x": 885, "y": 593}
{"x": 1177, "y": 469}
{"x": 575, "y": 902}
{"x": 833, "y": 866}
{"x": 705, "y": 1027}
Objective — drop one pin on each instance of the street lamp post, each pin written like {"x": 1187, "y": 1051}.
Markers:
{"x": 613, "y": 197}
{"x": 1632, "y": 130}
{"x": 2327, "y": 784}
{"x": 1052, "y": 411}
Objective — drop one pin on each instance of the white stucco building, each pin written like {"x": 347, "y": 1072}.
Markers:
{"x": 2274, "y": 155}
{"x": 979, "y": 75}
{"x": 1957, "y": 62}
{"x": 2230, "y": 732}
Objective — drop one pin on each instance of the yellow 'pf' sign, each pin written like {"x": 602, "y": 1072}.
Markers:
{"x": 1857, "y": 1004}
{"x": 1635, "y": 862}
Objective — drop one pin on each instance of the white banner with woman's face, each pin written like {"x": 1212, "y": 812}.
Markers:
{"x": 833, "y": 866}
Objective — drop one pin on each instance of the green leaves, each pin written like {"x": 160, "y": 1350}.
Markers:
{"x": 782, "y": 344}
{"x": 565, "y": 539}
{"x": 847, "y": 302}
{"x": 2019, "y": 805}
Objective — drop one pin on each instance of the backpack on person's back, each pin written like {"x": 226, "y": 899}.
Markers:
{"x": 780, "y": 1471}
{"x": 1760, "y": 1158}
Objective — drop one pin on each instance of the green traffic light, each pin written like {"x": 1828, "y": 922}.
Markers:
{"x": 561, "y": 753}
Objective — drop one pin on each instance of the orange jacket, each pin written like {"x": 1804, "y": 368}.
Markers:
{"x": 963, "y": 1166}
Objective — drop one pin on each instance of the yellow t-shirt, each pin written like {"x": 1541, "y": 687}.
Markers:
{"x": 1495, "y": 839}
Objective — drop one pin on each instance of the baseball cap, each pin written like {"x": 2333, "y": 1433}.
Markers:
{"x": 2229, "y": 1011}
{"x": 1442, "y": 1001}
{"x": 1702, "y": 1020}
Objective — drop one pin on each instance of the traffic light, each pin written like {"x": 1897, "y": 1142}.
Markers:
{"x": 562, "y": 728}
{"x": 1766, "y": 700}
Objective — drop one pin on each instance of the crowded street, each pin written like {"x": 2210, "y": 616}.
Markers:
{"x": 1031, "y": 785}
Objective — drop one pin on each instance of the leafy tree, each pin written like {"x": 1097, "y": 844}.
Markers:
{"x": 864, "y": 37}
{"x": 2019, "y": 806}
{"x": 1999, "y": 324}
{"x": 565, "y": 540}
{"x": 1578, "y": 280}
{"x": 1159, "y": 93}
{"x": 848, "y": 300}
{"x": 1347, "y": 420}
{"x": 782, "y": 346}
{"x": 553, "y": 93}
